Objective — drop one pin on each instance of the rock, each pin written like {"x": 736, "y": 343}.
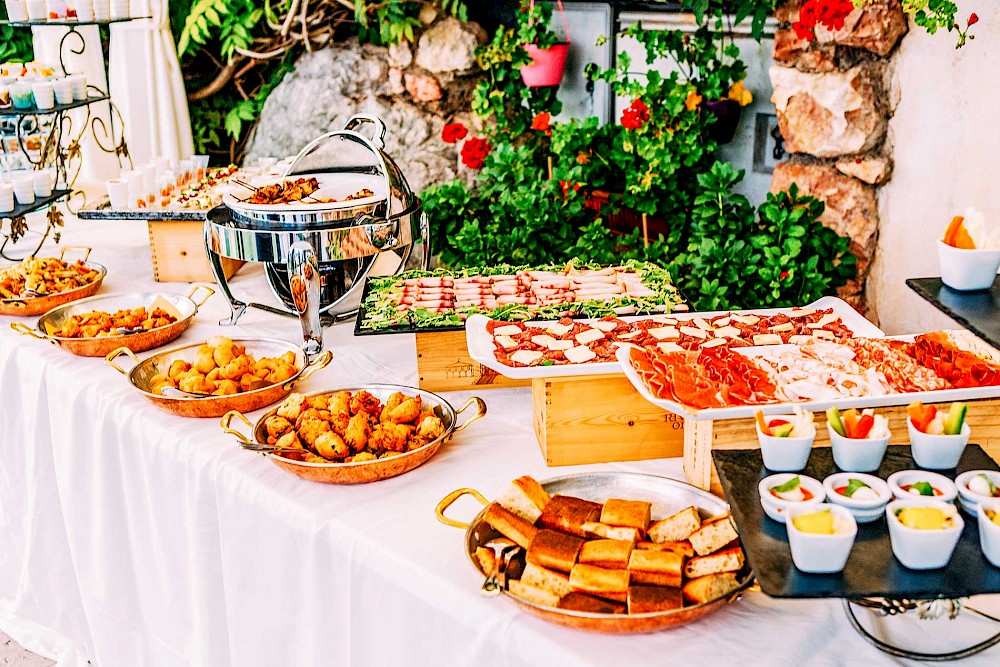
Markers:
{"x": 428, "y": 14}
{"x": 871, "y": 170}
{"x": 422, "y": 87}
{"x": 447, "y": 46}
{"x": 394, "y": 83}
{"x": 830, "y": 114}
{"x": 787, "y": 12}
{"x": 400, "y": 54}
{"x": 851, "y": 206}
{"x": 876, "y": 27}
{"x": 794, "y": 52}
{"x": 329, "y": 86}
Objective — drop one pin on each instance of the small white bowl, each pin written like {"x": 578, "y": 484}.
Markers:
{"x": 923, "y": 549}
{"x": 989, "y": 532}
{"x": 775, "y": 507}
{"x": 822, "y": 554}
{"x": 857, "y": 454}
{"x": 784, "y": 454}
{"x": 864, "y": 511}
{"x": 967, "y": 269}
{"x": 969, "y": 499}
{"x": 937, "y": 452}
{"x": 898, "y": 480}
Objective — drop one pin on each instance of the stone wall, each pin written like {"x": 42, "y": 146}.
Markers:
{"x": 414, "y": 88}
{"x": 833, "y": 99}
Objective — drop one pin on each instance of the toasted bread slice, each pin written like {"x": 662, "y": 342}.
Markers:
{"x": 612, "y": 554}
{"x": 599, "y": 581}
{"x": 644, "y": 599}
{"x": 518, "y": 588}
{"x": 596, "y": 529}
{"x": 710, "y": 587}
{"x": 676, "y": 527}
{"x": 713, "y": 535}
{"x": 554, "y": 550}
{"x": 568, "y": 514}
{"x": 656, "y": 568}
{"x": 628, "y": 513}
{"x": 526, "y": 498}
{"x": 727, "y": 560}
{"x": 487, "y": 559}
{"x": 510, "y": 525}
{"x": 683, "y": 547}
{"x": 583, "y": 602}
{"x": 550, "y": 580}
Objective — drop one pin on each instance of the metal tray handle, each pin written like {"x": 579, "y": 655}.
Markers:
{"x": 447, "y": 501}
{"x": 227, "y": 420}
{"x": 200, "y": 288}
{"x": 114, "y": 354}
{"x": 25, "y": 330}
{"x": 84, "y": 249}
{"x": 317, "y": 364}
{"x": 480, "y": 413}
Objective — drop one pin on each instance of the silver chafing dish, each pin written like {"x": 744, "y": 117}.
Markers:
{"x": 317, "y": 256}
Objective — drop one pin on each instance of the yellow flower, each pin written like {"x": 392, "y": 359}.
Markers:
{"x": 582, "y": 157}
{"x": 740, "y": 94}
{"x": 693, "y": 100}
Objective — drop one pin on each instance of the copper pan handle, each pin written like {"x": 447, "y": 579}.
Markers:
{"x": 84, "y": 249}
{"x": 203, "y": 288}
{"x": 226, "y": 422}
{"x": 447, "y": 501}
{"x": 480, "y": 413}
{"x": 25, "y": 330}
{"x": 114, "y": 354}
{"x": 317, "y": 364}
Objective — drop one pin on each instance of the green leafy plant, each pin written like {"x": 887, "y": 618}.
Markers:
{"x": 15, "y": 43}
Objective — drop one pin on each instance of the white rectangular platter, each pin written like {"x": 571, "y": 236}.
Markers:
{"x": 744, "y": 411}
{"x": 481, "y": 345}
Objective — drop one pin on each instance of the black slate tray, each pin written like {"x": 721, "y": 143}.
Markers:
{"x": 872, "y": 570}
{"x": 977, "y": 310}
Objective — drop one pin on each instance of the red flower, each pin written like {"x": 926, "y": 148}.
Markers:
{"x": 784, "y": 274}
{"x": 565, "y": 188}
{"x": 973, "y": 19}
{"x": 474, "y": 152}
{"x": 453, "y": 132}
{"x": 831, "y": 14}
{"x": 635, "y": 115}
{"x": 541, "y": 122}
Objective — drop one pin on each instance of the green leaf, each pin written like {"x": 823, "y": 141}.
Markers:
{"x": 790, "y": 485}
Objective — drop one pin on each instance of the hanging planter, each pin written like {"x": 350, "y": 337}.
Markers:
{"x": 547, "y": 64}
{"x": 727, "y": 114}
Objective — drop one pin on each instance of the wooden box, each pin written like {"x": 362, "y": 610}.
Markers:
{"x": 600, "y": 418}
{"x": 701, "y": 437}
{"x": 178, "y": 249}
{"x": 444, "y": 364}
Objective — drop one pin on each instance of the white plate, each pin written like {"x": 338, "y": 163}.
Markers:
{"x": 481, "y": 347}
{"x": 742, "y": 411}
{"x": 337, "y": 186}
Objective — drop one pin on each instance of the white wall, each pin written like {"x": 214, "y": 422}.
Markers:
{"x": 946, "y": 142}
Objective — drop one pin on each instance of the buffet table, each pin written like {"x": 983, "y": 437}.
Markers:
{"x": 141, "y": 538}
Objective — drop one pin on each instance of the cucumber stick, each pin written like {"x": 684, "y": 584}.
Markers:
{"x": 836, "y": 423}
{"x": 956, "y": 417}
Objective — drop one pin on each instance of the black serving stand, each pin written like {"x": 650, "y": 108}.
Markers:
{"x": 978, "y": 310}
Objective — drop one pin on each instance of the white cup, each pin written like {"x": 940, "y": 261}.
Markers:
{"x": 36, "y": 10}
{"x": 24, "y": 189}
{"x": 118, "y": 193}
{"x": 200, "y": 163}
{"x": 120, "y": 9}
{"x": 6, "y": 197}
{"x": 44, "y": 94}
{"x": 102, "y": 10}
{"x": 17, "y": 10}
{"x": 84, "y": 10}
{"x": 63, "y": 90}
{"x": 78, "y": 82}
{"x": 55, "y": 10}
{"x": 967, "y": 269}
{"x": 137, "y": 193}
{"x": 42, "y": 182}
{"x": 162, "y": 164}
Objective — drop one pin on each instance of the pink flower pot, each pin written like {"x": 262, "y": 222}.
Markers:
{"x": 547, "y": 66}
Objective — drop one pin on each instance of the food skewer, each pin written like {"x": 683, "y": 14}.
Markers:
{"x": 255, "y": 189}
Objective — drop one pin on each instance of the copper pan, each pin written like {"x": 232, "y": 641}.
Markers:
{"x": 365, "y": 471}
{"x": 215, "y": 406}
{"x": 185, "y": 306}
{"x": 667, "y": 495}
{"x": 28, "y": 306}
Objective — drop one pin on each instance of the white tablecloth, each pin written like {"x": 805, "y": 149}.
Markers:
{"x": 143, "y": 539}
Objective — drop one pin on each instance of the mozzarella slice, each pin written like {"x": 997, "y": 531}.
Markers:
{"x": 664, "y": 333}
{"x": 767, "y": 339}
{"x": 696, "y": 333}
{"x": 746, "y": 319}
{"x": 589, "y": 336}
{"x": 802, "y": 312}
{"x": 799, "y": 340}
{"x": 557, "y": 329}
{"x": 778, "y": 328}
{"x": 509, "y": 330}
{"x": 630, "y": 335}
{"x": 561, "y": 344}
{"x": 543, "y": 340}
{"x": 722, "y": 321}
{"x": 824, "y": 334}
{"x": 829, "y": 318}
{"x": 579, "y": 354}
{"x": 670, "y": 347}
{"x": 715, "y": 342}
{"x": 727, "y": 332}
{"x": 702, "y": 324}
{"x": 605, "y": 326}
{"x": 506, "y": 342}
{"x": 525, "y": 357}
{"x": 664, "y": 319}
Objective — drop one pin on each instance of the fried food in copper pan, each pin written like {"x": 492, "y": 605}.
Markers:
{"x": 36, "y": 276}
{"x": 99, "y": 324}
{"x": 223, "y": 368}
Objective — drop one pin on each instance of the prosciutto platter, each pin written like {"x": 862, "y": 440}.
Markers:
{"x": 523, "y": 350}
{"x": 443, "y": 300}
{"x": 725, "y": 383}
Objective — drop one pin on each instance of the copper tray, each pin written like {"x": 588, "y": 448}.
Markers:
{"x": 365, "y": 471}
{"x": 185, "y": 306}
{"x": 28, "y": 306}
{"x": 667, "y": 495}
{"x": 216, "y": 406}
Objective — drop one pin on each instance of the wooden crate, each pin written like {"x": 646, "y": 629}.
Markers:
{"x": 600, "y": 418}
{"x": 444, "y": 364}
{"x": 700, "y": 438}
{"x": 179, "y": 252}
